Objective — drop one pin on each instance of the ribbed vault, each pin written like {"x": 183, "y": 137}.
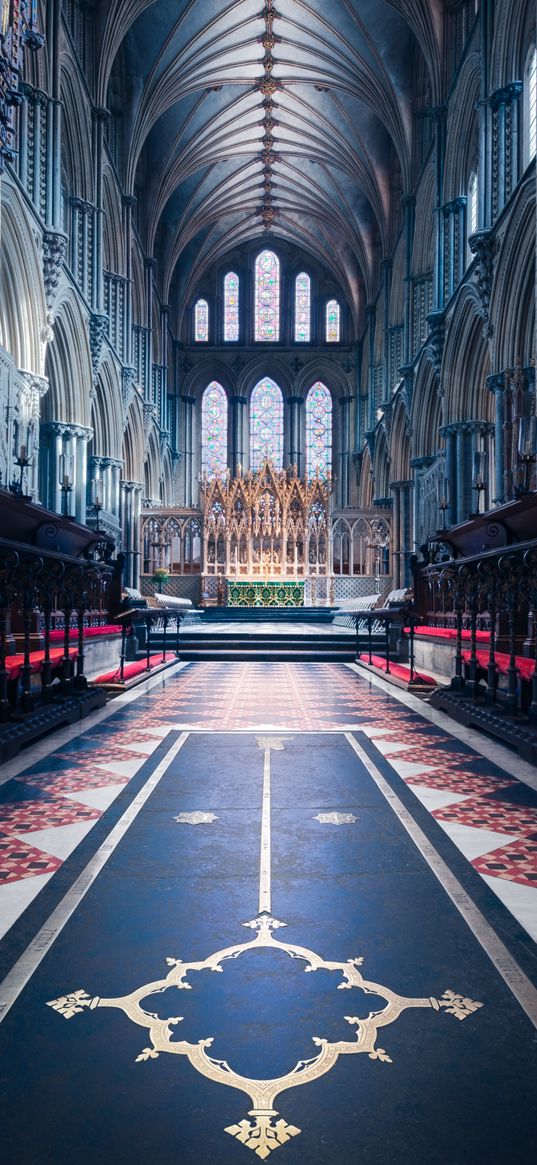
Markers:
{"x": 244, "y": 117}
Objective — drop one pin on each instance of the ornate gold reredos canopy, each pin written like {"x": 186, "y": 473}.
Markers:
{"x": 269, "y": 522}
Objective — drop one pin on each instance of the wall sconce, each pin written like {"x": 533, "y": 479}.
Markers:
{"x": 527, "y": 449}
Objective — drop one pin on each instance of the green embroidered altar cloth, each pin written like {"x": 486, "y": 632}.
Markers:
{"x": 269, "y": 593}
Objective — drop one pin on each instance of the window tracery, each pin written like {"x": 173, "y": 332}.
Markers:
{"x": 318, "y": 431}
{"x": 231, "y": 306}
{"x": 266, "y": 424}
{"x": 267, "y": 296}
{"x": 332, "y": 321}
{"x": 302, "y": 308}
{"x": 214, "y": 430}
{"x": 201, "y": 321}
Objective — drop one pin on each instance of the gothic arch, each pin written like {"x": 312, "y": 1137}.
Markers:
{"x": 113, "y": 259}
{"x": 107, "y": 412}
{"x": 365, "y": 499}
{"x": 466, "y": 361}
{"x": 266, "y": 365}
{"x": 68, "y": 365}
{"x": 514, "y": 283}
{"x": 426, "y": 412}
{"x": 198, "y": 378}
{"x": 133, "y": 443}
{"x": 22, "y": 298}
{"x": 400, "y": 443}
{"x": 381, "y": 465}
{"x": 462, "y": 130}
{"x": 514, "y": 30}
{"x": 152, "y": 469}
{"x": 76, "y": 132}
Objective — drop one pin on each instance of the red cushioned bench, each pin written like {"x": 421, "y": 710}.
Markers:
{"x": 89, "y": 632}
{"x": 398, "y": 671}
{"x": 15, "y": 663}
{"x": 524, "y": 666}
{"x": 134, "y": 669}
{"x": 448, "y": 633}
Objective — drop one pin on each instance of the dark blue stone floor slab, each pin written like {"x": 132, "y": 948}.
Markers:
{"x": 454, "y": 1093}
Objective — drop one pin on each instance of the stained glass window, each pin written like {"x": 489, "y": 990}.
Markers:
{"x": 267, "y": 296}
{"x": 231, "y": 306}
{"x": 302, "y": 307}
{"x": 214, "y": 430}
{"x": 266, "y": 424}
{"x": 201, "y": 320}
{"x": 472, "y": 203}
{"x": 332, "y": 321}
{"x": 318, "y": 431}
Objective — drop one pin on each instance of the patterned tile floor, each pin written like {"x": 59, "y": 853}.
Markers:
{"x": 52, "y": 803}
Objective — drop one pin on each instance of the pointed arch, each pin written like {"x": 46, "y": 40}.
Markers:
{"x": 214, "y": 430}
{"x": 318, "y": 431}
{"x": 266, "y": 424}
{"x": 267, "y": 296}
{"x": 231, "y": 307}
{"x": 302, "y": 308}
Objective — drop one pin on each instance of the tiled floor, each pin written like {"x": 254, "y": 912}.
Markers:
{"x": 52, "y": 804}
{"x": 372, "y": 834}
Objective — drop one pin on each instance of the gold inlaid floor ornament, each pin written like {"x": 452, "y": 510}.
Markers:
{"x": 263, "y": 1132}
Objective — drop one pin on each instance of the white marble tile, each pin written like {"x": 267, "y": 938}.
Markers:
{"x": 388, "y": 746}
{"x": 436, "y": 798}
{"x": 123, "y": 768}
{"x": 99, "y": 798}
{"x": 474, "y": 842}
{"x": 409, "y": 768}
{"x": 16, "y": 896}
{"x": 144, "y": 747}
{"x": 520, "y": 900}
{"x": 59, "y": 840}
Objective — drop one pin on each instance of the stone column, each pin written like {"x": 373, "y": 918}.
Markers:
{"x": 188, "y": 403}
{"x": 236, "y": 451}
{"x": 496, "y": 384}
{"x": 396, "y": 534}
{"x": 345, "y": 450}
{"x": 294, "y": 432}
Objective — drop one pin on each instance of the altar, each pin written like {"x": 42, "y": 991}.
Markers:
{"x": 265, "y": 593}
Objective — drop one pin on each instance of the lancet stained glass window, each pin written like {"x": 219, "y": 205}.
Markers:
{"x": 332, "y": 321}
{"x": 214, "y": 430}
{"x": 266, "y": 424}
{"x": 267, "y": 296}
{"x": 231, "y": 306}
{"x": 318, "y": 431}
{"x": 201, "y": 320}
{"x": 302, "y": 307}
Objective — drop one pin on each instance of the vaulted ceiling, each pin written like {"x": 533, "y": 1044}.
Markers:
{"x": 248, "y": 115}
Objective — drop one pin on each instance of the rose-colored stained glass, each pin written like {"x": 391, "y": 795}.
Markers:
{"x": 201, "y": 320}
{"x": 214, "y": 430}
{"x": 267, "y": 297}
{"x": 302, "y": 307}
{"x": 332, "y": 321}
{"x": 318, "y": 431}
{"x": 266, "y": 424}
{"x": 231, "y": 306}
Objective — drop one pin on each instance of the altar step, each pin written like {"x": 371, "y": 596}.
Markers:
{"x": 272, "y": 647}
{"x": 312, "y": 615}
